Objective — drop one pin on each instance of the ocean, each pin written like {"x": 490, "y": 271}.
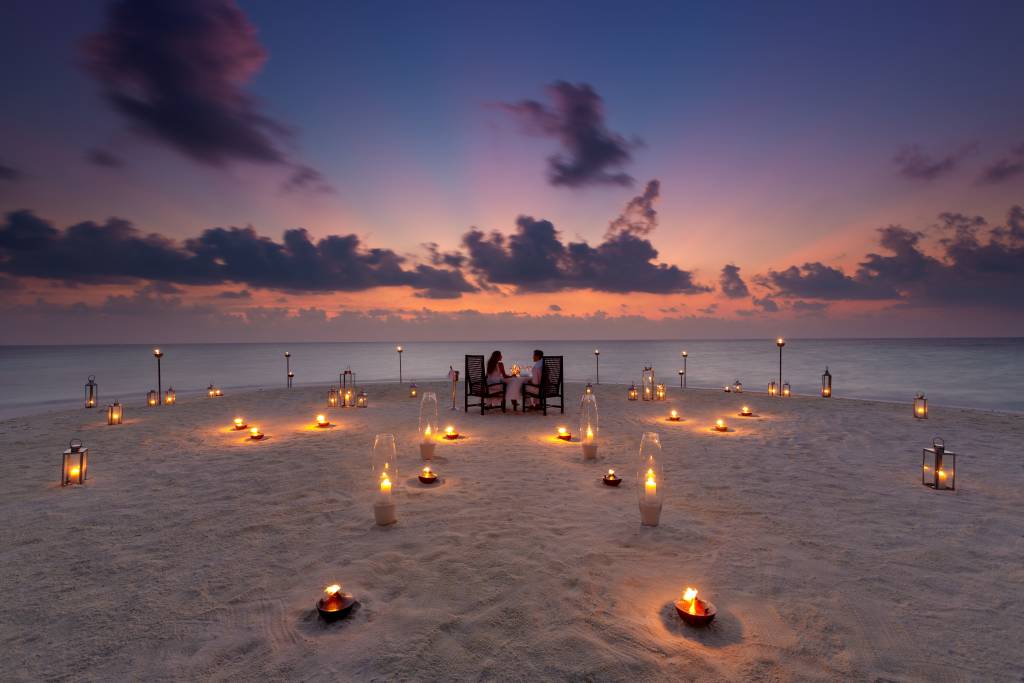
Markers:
{"x": 971, "y": 373}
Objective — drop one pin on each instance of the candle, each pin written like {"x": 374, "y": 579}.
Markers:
{"x": 426, "y": 433}
{"x": 590, "y": 434}
{"x": 611, "y": 480}
{"x": 673, "y": 415}
{"x": 335, "y": 603}
{"x": 239, "y": 424}
{"x": 427, "y": 476}
{"x": 450, "y": 433}
{"x": 385, "y": 486}
{"x": 564, "y": 434}
{"x": 720, "y": 425}
{"x": 650, "y": 486}
{"x": 321, "y": 421}
{"x": 255, "y": 433}
{"x": 75, "y": 470}
{"x": 745, "y": 411}
{"x": 693, "y": 610}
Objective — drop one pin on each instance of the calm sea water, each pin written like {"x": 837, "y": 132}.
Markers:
{"x": 977, "y": 373}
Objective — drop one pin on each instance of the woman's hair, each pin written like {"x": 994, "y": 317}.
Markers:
{"x": 492, "y": 362}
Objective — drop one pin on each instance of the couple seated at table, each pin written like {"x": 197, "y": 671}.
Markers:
{"x": 515, "y": 380}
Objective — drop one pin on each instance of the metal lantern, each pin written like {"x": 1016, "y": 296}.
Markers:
{"x": 362, "y": 400}
{"x": 75, "y": 465}
{"x": 938, "y": 467}
{"x": 826, "y": 384}
{"x": 737, "y": 386}
{"x": 786, "y": 390}
{"x": 413, "y": 391}
{"x": 647, "y": 383}
{"x": 348, "y": 398}
{"x": 659, "y": 392}
{"x": 773, "y": 388}
{"x": 211, "y": 391}
{"x": 170, "y": 397}
{"x": 633, "y": 393}
{"x": 347, "y": 380}
{"x": 152, "y": 398}
{"x": 589, "y": 426}
{"x": 92, "y": 392}
{"x": 588, "y": 390}
{"x": 427, "y": 427}
{"x": 115, "y": 414}
{"x": 384, "y": 478}
{"x": 920, "y": 407}
{"x": 332, "y": 398}
{"x": 650, "y": 479}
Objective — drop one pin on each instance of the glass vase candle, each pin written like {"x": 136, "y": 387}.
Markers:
{"x": 92, "y": 392}
{"x": 384, "y": 471}
{"x": 427, "y": 426}
{"x": 647, "y": 383}
{"x": 938, "y": 467}
{"x": 152, "y": 398}
{"x": 332, "y": 398}
{"x": 115, "y": 414}
{"x": 650, "y": 479}
{"x": 920, "y": 407}
{"x": 589, "y": 426}
{"x": 75, "y": 464}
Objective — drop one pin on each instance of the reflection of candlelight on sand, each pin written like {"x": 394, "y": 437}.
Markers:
{"x": 693, "y": 610}
{"x": 334, "y": 604}
{"x": 611, "y": 479}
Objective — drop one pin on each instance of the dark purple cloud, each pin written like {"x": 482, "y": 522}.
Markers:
{"x": 9, "y": 174}
{"x": 1004, "y": 169}
{"x": 639, "y": 217}
{"x": 801, "y": 307}
{"x": 101, "y": 157}
{"x": 979, "y": 267}
{"x": 591, "y": 154}
{"x": 731, "y": 283}
{"x": 535, "y": 259}
{"x": 239, "y": 295}
{"x": 116, "y": 251}
{"x": 913, "y": 162}
{"x": 766, "y": 304}
{"x": 178, "y": 71}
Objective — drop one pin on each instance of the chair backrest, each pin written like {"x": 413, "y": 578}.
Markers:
{"x": 476, "y": 379}
{"x": 551, "y": 379}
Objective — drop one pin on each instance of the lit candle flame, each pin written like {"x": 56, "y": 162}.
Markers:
{"x": 320, "y": 420}
{"x": 690, "y": 596}
{"x": 426, "y": 432}
{"x": 611, "y": 474}
{"x": 385, "y": 484}
{"x": 75, "y": 470}
{"x": 561, "y": 430}
{"x": 426, "y": 471}
{"x": 674, "y": 414}
{"x": 239, "y": 422}
{"x": 590, "y": 434}
{"x": 255, "y": 431}
{"x": 651, "y": 485}
{"x": 745, "y": 410}
{"x": 333, "y": 589}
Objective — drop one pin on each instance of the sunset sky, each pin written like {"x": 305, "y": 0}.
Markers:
{"x": 206, "y": 170}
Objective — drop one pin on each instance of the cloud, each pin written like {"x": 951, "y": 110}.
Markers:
{"x": 709, "y": 310}
{"x": 801, "y": 307}
{"x": 535, "y": 259}
{"x": 1004, "y": 169}
{"x": 766, "y": 305}
{"x": 639, "y": 217}
{"x": 913, "y": 162}
{"x": 116, "y": 251}
{"x": 178, "y": 71}
{"x": 591, "y": 154}
{"x": 452, "y": 259}
{"x": 554, "y": 307}
{"x": 241, "y": 294}
{"x": 101, "y": 157}
{"x": 979, "y": 267}
{"x": 9, "y": 174}
{"x": 732, "y": 284}
{"x": 304, "y": 178}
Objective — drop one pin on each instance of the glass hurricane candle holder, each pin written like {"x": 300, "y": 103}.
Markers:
{"x": 920, "y": 407}
{"x": 589, "y": 426}
{"x": 347, "y": 381}
{"x": 773, "y": 388}
{"x": 335, "y": 603}
{"x": 826, "y": 384}
{"x": 152, "y": 398}
{"x": 427, "y": 426}
{"x": 938, "y": 467}
{"x": 737, "y": 387}
{"x": 170, "y": 397}
{"x": 74, "y": 468}
{"x": 384, "y": 475}
{"x": 659, "y": 392}
{"x": 348, "y": 399}
{"x": 92, "y": 392}
{"x": 588, "y": 389}
{"x": 650, "y": 479}
{"x": 362, "y": 400}
{"x": 647, "y": 383}
{"x": 115, "y": 413}
{"x": 211, "y": 391}
{"x": 332, "y": 398}
{"x": 633, "y": 394}
{"x": 786, "y": 390}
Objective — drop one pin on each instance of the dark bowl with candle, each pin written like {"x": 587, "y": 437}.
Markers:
{"x": 335, "y": 606}
{"x": 430, "y": 478}
{"x": 611, "y": 480}
{"x": 704, "y": 612}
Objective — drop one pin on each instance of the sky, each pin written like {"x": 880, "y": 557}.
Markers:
{"x": 213, "y": 170}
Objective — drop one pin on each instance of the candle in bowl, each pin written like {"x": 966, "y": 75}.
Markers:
{"x": 673, "y": 415}
{"x": 255, "y": 433}
{"x": 240, "y": 424}
{"x": 611, "y": 479}
{"x": 334, "y": 604}
{"x": 720, "y": 425}
{"x": 564, "y": 434}
{"x": 693, "y": 610}
{"x": 745, "y": 411}
{"x": 321, "y": 421}
{"x": 450, "y": 433}
{"x": 427, "y": 476}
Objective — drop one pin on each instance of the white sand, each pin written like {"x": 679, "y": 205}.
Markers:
{"x": 192, "y": 554}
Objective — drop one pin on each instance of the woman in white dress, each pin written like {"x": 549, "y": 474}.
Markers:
{"x": 496, "y": 373}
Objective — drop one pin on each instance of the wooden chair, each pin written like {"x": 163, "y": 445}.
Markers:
{"x": 551, "y": 385}
{"x": 477, "y": 386}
